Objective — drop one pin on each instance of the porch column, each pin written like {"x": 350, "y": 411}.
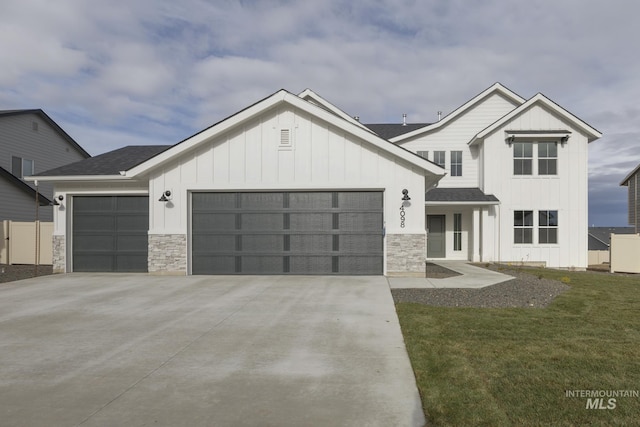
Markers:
{"x": 475, "y": 239}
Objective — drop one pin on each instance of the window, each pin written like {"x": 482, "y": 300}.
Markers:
{"x": 423, "y": 154}
{"x": 457, "y": 232}
{"x": 547, "y": 158}
{"x": 438, "y": 158}
{"x": 523, "y": 226}
{"x": 548, "y": 227}
{"x": 456, "y": 163}
{"x": 523, "y": 158}
{"x": 21, "y": 167}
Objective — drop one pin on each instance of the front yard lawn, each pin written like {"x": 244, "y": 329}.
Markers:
{"x": 515, "y": 366}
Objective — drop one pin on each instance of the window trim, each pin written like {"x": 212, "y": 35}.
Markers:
{"x": 522, "y": 228}
{"x": 436, "y": 154}
{"x": 548, "y": 227}
{"x": 22, "y": 162}
{"x": 535, "y": 159}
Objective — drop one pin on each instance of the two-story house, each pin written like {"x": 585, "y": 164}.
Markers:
{"x": 633, "y": 182}
{"x": 293, "y": 185}
{"x": 31, "y": 142}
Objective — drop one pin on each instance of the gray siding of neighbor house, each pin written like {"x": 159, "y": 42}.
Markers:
{"x": 45, "y": 146}
{"x": 21, "y": 207}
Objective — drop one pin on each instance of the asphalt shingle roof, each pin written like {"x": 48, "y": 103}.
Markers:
{"x": 458, "y": 195}
{"x": 391, "y": 130}
{"x": 110, "y": 163}
{"x": 600, "y": 237}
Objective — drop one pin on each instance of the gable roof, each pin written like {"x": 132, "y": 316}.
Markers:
{"x": 625, "y": 181}
{"x": 49, "y": 120}
{"x": 110, "y": 163}
{"x": 312, "y": 97}
{"x": 497, "y": 88}
{"x": 23, "y": 186}
{"x": 592, "y": 133}
{"x": 392, "y": 130}
{"x": 279, "y": 98}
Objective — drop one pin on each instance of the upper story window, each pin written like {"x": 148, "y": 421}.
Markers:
{"x": 523, "y": 158}
{"x": 424, "y": 154}
{"x": 547, "y": 158}
{"x": 535, "y": 158}
{"x": 439, "y": 158}
{"x": 21, "y": 167}
{"x": 456, "y": 163}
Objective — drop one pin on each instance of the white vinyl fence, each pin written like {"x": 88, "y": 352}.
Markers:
{"x": 625, "y": 253}
{"x": 26, "y": 242}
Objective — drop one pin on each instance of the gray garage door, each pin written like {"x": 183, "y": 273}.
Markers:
{"x": 110, "y": 233}
{"x": 287, "y": 233}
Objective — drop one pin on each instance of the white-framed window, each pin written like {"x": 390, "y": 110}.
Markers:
{"x": 548, "y": 227}
{"x": 535, "y": 158}
{"x": 21, "y": 167}
{"x": 523, "y": 158}
{"x": 547, "y": 158}
{"x": 439, "y": 158}
{"x": 423, "y": 154}
{"x": 457, "y": 232}
{"x": 456, "y": 163}
{"x": 522, "y": 227}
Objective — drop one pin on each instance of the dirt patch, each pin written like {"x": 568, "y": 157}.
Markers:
{"x": 10, "y": 273}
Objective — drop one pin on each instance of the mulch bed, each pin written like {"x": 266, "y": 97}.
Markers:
{"x": 525, "y": 290}
{"x": 9, "y": 273}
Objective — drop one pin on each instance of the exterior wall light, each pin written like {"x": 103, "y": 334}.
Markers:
{"x": 166, "y": 196}
{"x": 56, "y": 202}
{"x": 405, "y": 195}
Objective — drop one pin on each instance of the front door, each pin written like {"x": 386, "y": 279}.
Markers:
{"x": 436, "y": 236}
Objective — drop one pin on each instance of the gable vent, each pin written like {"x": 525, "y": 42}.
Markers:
{"x": 285, "y": 137}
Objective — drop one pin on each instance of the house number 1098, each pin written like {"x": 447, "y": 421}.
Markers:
{"x": 402, "y": 213}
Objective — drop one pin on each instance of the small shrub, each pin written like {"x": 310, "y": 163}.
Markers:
{"x": 539, "y": 276}
{"x": 565, "y": 279}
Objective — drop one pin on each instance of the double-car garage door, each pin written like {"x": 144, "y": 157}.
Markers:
{"x": 322, "y": 232}
{"x": 287, "y": 233}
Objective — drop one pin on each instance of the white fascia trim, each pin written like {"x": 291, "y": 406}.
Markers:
{"x": 555, "y": 108}
{"x": 496, "y": 88}
{"x": 625, "y": 181}
{"x": 78, "y": 178}
{"x": 317, "y": 99}
{"x": 454, "y": 204}
{"x": 297, "y": 102}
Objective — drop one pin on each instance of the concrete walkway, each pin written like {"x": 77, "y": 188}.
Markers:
{"x": 471, "y": 277}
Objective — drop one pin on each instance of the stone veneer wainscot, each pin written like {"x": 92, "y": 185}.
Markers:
{"x": 59, "y": 256}
{"x": 167, "y": 253}
{"x": 406, "y": 254}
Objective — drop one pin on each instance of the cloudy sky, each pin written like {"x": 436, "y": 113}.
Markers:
{"x": 125, "y": 72}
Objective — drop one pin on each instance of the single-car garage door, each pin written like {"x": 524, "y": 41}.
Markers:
{"x": 110, "y": 233}
{"x": 287, "y": 233}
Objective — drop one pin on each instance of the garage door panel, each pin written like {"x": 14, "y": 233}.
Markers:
{"x": 310, "y": 201}
{"x": 261, "y": 201}
{"x": 93, "y": 241}
{"x": 214, "y": 243}
{"x": 287, "y": 233}
{"x": 110, "y": 233}
{"x": 261, "y": 222}
{"x": 94, "y": 222}
{"x": 204, "y": 222}
{"x": 203, "y": 264}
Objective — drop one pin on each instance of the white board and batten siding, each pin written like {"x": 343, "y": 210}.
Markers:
{"x": 455, "y": 136}
{"x": 566, "y": 192}
{"x": 256, "y": 157}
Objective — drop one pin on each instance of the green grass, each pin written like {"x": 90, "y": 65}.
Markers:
{"x": 503, "y": 367}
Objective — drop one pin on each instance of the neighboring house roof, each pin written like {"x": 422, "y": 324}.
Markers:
{"x": 600, "y": 237}
{"x": 592, "y": 133}
{"x": 625, "y": 181}
{"x": 110, "y": 163}
{"x": 23, "y": 186}
{"x": 392, "y": 130}
{"x": 472, "y": 196}
{"x": 54, "y": 125}
{"x": 496, "y": 88}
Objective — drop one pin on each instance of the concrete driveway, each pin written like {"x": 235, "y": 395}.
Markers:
{"x": 134, "y": 350}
